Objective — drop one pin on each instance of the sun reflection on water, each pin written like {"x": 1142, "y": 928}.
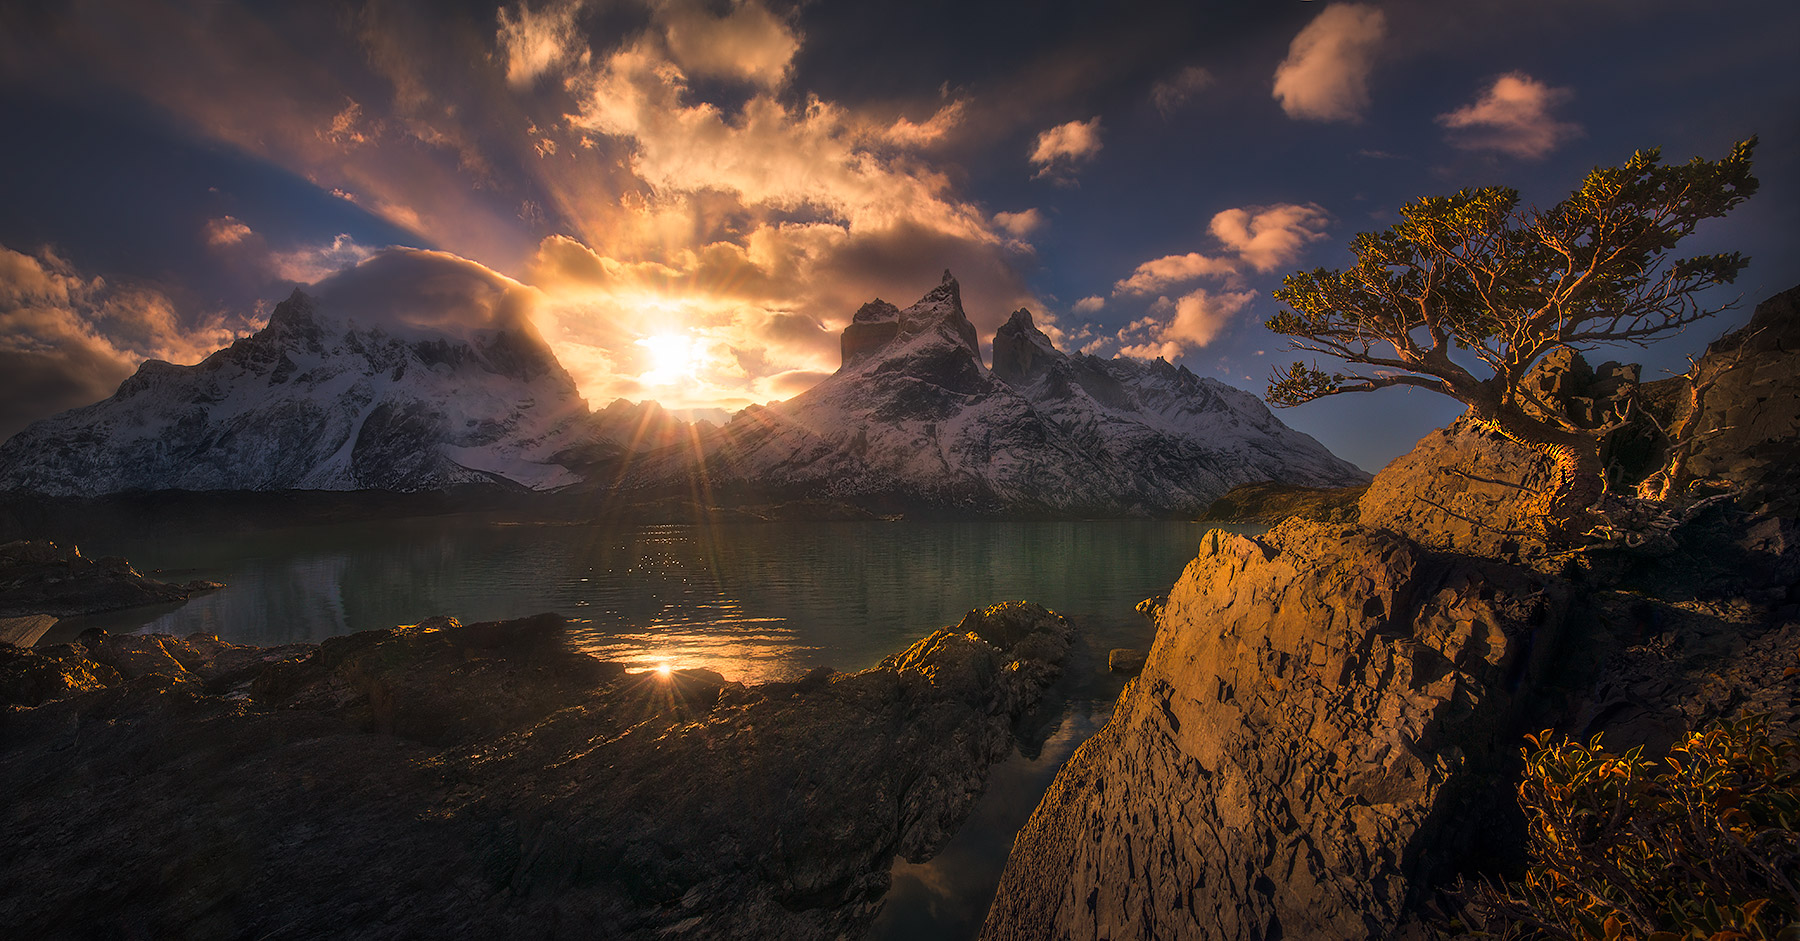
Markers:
{"x": 713, "y": 635}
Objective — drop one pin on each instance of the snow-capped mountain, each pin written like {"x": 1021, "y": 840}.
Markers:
{"x": 366, "y": 386}
{"x": 913, "y": 417}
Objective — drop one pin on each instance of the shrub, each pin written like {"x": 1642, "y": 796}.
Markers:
{"x": 1702, "y": 845}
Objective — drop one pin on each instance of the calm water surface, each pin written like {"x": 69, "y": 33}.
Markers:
{"x": 754, "y": 602}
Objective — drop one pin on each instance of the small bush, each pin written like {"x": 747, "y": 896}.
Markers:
{"x": 1702, "y": 845}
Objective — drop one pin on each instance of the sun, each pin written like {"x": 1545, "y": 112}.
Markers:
{"x": 673, "y": 357}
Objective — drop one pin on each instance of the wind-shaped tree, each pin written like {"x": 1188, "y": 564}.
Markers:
{"x": 1473, "y": 284}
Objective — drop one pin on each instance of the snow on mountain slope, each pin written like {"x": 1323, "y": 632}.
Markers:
{"x": 413, "y": 371}
{"x": 913, "y": 417}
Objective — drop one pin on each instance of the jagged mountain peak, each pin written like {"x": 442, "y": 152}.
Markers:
{"x": 941, "y": 310}
{"x": 420, "y": 372}
{"x": 1022, "y": 352}
{"x": 912, "y": 418}
{"x": 875, "y": 311}
{"x": 880, "y": 331}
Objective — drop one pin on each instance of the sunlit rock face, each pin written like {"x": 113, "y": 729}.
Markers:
{"x": 362, "y": 387}
{"x": 1298, "y": 756}
{"x": 914, "y": 419}
{"x": 1462, "y": 489}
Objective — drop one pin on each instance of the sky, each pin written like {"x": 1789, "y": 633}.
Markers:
{"x": 697, "y": 195}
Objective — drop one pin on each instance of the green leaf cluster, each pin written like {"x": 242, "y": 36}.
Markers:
{"x": 1478, "y": 272}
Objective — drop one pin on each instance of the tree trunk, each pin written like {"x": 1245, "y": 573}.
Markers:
{"x": 1581, "y": 477}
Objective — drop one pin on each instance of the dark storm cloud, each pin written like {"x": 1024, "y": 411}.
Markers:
{"x": 36, "y": 385}
{"x": 68, "y": 339}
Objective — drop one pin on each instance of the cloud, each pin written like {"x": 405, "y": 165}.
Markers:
{"x": 812, "y": 156}
{"x": 1159, "y": 273}
{"x": 1512, "y": 117}
{"x": 1326, "y": 72}
{"x": 1019, "y": 224}
{"x": 416, "y": 289}
{"x": 308, "y": 264}
{"x": 1089, "y": 305}
{"x": 225, "y": 231}
{"x": 1262, "y": 238}
{"x": 905, "y": 133}
{"x": 68, "y": 340}
{"x": 1059, "y": 149}
{"x": 1169, "y": 94}
{"x": 1270, "y": 237}
{"x": 748, "y": 43}
{"x": 534, "y": 42}
{"x": 1197, "y": 319}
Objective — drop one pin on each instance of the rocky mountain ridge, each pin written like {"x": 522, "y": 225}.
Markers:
{"x": 335, "y": 393}
{"x": 914, "y": 418}
{"x": 320, "y": 399}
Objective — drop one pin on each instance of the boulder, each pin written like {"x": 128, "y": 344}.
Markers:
{"x": 1125, "y": 659}
{"x": 1320, "y": 710}
{"x": 23, "y": 631}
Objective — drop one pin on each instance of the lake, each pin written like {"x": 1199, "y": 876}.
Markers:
{"x": 753, "y": 601}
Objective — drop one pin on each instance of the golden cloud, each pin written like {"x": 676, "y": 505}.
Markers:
{"x": 1325, "y": 76}
{"x": 1512, "y": 117}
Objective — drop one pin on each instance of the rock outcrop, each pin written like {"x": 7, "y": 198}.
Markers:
{"x": 1317, "y": 704}
{"x": 39, "y": 577}
{"x": 1741, "y": 414}
{"x": 485, "y": 780}
{"x": 1461, "y": 489}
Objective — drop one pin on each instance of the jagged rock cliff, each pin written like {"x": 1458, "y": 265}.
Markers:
{"x": 1316, "y": 704}
{"x": 914, "y": 419}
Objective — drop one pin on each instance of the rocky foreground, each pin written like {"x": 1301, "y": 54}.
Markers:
{"x": 1326, "y": 733}
{"x": 484, "y": 780}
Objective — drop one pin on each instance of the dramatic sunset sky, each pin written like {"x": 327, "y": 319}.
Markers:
{"x": 701, "y": 192}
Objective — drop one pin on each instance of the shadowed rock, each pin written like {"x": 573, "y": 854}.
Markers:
{"x": 486, "y": 780}
{"x": 41, "y": 577}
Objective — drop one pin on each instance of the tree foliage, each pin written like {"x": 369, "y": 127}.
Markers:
{"x": 1478, "y": 279}
{"x": 1700, "y": 846}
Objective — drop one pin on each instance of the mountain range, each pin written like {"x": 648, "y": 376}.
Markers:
{"x": 913, "y": 417}
{"x": 359, "y": 389}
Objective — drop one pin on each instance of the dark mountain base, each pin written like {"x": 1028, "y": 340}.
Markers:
{"x": 30, "y": 516}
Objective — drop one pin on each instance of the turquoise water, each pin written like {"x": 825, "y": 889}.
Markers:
{"x": 754, "y": 602}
